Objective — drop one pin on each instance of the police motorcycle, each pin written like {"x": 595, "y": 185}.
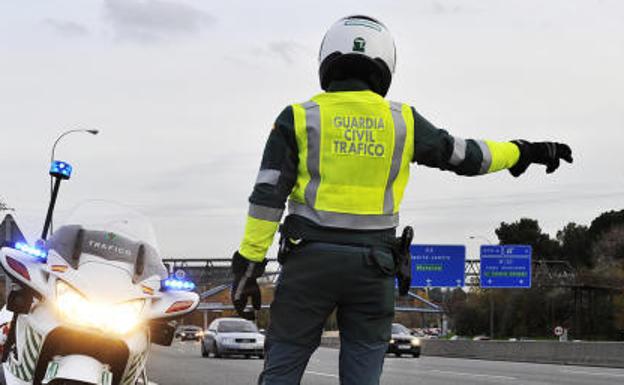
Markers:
{"x": 88, "y": 301}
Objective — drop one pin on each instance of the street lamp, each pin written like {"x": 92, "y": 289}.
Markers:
{"x": 92, "y": 132}
{"x": 489, "y": 292}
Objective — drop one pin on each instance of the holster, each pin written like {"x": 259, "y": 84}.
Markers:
{"x": 286, "y": 245}
{"x": 403, "y": 260}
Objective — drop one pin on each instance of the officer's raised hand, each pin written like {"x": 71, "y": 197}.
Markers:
{"x": 245, "y": 284}
{"x": 546, "y": 153}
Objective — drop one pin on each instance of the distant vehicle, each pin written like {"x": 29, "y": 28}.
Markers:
{"x": 403, "y": 342}
{"x": 481, "y": 338}
{"x": 189, "y": 332}
{"x": 232, "y": 336}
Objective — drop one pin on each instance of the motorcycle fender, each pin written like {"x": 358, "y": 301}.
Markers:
{"x": 83, "y": 369}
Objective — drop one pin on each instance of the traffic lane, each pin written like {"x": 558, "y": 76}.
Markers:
{"x": 447, "y": 371}
{"x": 182, "y": 364}
{"x": 438, "y": 371}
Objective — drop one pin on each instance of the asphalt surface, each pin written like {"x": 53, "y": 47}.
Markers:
{"x": 182, "y": 364}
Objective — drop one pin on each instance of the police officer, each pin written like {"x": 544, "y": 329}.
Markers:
{"x": 341, "y": 160}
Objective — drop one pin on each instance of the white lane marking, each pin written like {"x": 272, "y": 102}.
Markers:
{"x": 321, "y": 374}
{"x": 472, "y": 374}
{"x": 592, "y": 373}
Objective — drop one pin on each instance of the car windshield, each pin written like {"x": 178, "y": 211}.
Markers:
{"x": 399, "y": 329}
{"x": 112, "y": 232}
{"x": 236, "y": 327}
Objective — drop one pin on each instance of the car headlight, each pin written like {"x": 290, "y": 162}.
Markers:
{"x": 116, "y": 318}
{"x": 415, "y": 341}
{"x": 391, "y": 341}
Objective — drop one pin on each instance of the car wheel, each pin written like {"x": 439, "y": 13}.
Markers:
{"x": 247, "y": 356}
{"x": 204, "y": 352}
{"x": 215, "y": 350}
{"x": 397, "y": 354}
{"x": 261, "y": 356}
{"x": 416, "y": 355}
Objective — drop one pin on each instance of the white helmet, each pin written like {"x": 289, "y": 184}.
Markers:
{"x": 361, "y": 47}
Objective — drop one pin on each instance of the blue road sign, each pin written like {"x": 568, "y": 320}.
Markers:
{"x": 505, "y": 266}
{"x": 438, "y": 265}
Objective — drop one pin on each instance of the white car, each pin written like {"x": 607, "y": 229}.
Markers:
{"x": 232, "y": 336}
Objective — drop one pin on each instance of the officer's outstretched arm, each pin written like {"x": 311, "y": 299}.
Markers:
{"x": 435, "y": 147}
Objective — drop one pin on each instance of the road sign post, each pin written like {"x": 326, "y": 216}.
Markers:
{"x": 438, "y": 265}
{"x": 561, "y": 333}
{"x": 505, "y": 266}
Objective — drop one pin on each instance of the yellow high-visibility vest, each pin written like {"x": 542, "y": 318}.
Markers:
{"x": 355, "y": 150}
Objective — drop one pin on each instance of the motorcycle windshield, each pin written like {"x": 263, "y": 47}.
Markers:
{"x": 112, "y": 232}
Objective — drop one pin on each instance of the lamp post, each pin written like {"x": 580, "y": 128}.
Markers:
{"x": 87, "y": 131}
{"x": 491, "y": 297}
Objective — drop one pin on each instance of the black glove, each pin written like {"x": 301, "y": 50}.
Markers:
{"x": 546, "y": 153}
{"x": 245, "y": 285}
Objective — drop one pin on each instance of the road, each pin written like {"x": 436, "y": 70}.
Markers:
{"x": 182, "y": 364}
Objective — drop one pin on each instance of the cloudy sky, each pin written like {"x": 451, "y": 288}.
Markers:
{"x": 185, "y": 93}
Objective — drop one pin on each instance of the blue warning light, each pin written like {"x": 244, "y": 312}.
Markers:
{"x": 32, "y": 251}
{"x": 178, "y": 284}
{"x": 61, "y": 169}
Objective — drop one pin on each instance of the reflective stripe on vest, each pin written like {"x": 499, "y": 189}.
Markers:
{"x": 354, "y": 155}
{"x": 400, "y": 131}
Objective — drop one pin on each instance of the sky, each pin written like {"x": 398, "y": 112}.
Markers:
{"x": 185, "y": 94}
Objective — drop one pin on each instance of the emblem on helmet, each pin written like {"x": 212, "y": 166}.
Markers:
{"x": 359, "y": 44}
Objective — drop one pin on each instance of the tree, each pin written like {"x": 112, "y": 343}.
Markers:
{"x": 527, "y": 231}
{"x": 606, "y": 236}
{"x": 575, "y": 245}
{"x": 604, "y": 222}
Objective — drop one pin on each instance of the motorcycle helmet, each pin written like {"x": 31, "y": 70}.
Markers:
{"x": 358, "y": 47}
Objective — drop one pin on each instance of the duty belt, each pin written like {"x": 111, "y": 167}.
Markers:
{"x": 298, "y": 229}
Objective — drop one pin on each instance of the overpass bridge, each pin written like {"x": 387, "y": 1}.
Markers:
{"x": 212, "y": 277}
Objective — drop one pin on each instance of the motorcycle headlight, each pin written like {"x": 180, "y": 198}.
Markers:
{"x": 116, "y": 318}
